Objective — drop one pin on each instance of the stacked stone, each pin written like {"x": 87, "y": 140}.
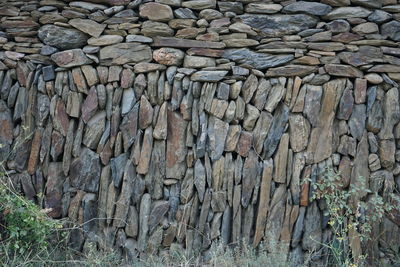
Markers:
{"x": 182, "y": 123}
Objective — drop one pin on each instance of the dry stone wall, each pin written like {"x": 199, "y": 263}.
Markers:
{"x": 187, "y": 122}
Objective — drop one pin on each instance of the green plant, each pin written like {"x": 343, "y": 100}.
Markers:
{"x": 350, "y": 218}
{"x": 24, "y": 225}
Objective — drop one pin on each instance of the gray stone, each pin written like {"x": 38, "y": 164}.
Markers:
{"x": 348, "y": 13}
{"x": 256, "y": 60}
{"x": 279, "y": 25}
{"x": 391, "y": 30}
{"x": 124, "y": 53}
{"x": 48, "y": 73}
{"x": 85, "y": 171}
{"x": 208, "y": 76}
{"x": 312, "y": 8}
{"x": 62, "y": 38}
{"x": 281, "y": 117}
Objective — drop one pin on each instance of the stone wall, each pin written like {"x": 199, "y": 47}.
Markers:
{"x": 188, "y": 122}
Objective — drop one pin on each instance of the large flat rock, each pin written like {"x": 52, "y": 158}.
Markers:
{"x": 279, "y": 25}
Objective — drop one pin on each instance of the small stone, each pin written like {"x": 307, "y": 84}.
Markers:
{"x": 105, "y": 40}
{"x": 198, "y": 62}
{"x": 48, "y": 73}
{"x": 343, "y": 70}
{"x": 312, "y": 8}
{"x": 348, "y": 13}
{"x": 168, "y": 56}
{"x": 138, "y": 38}
{"x": 70, "y": 58}
{"x": 156, "y": 12}
{"x": 208, "y": 76}
{"x": 88, "y": 26}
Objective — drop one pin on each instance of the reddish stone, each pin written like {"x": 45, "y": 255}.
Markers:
{"x": 61, "y": 120}
{"x": 360, "y": 91}
{"x": 127, "y": 78}
{"x": 245, "y": 143}
{"x": 90, "y": 105}
{"x": 35, "y": 149}
{"x": 305, "y": 187}
{"x": 205, "y": 52}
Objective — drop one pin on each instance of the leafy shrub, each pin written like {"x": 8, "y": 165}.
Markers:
{"x": 24, "y": 226}
{"x": 350, "y": 219}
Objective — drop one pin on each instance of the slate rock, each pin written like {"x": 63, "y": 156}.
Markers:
{"x": 256, "y": 60}
{"x": 281, "y": 117}
{"x": 124, "y": 53}
{"x": 70, "y": 58}
{"x": 312, "y": 8}
{"x": 62, "y": 38}
{"x": 88, "y": 26}
{"x": 279, "y": 25}
{"x": 48, "y": 73}
{"x": 85, "y": 171}
{"x": 392, "y": 30}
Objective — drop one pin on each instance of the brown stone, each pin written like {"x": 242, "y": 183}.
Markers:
{"x": 343, "y": 70}
{"x": 176, "y": 147}
{"x": 156, "y": 12}
{"x": 70, "y": 58}
{"x": 184, "y": 43}
{"x": 290, "y": 71}
{"x": 88, "y": 26}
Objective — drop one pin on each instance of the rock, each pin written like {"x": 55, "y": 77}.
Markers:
{"x": 48, "y": 73}
{"x": 299, "y": 132}
{"x": 256, "y": 60}
{"x": 90, "y": 105}
{"x": 311, "y": 8}
{"x": 88, "y": 26}
{"x": 365, "y": 55}
{"x": 338, "y": 26}
{"x": 345, "y": 105}
{"x": 251, "y": 176}
{"x": 320, "y": 145}
{"x": 277, "y": 128}
{"x": 216, "y": 132}
{"x": 391, "y": 30}
{"x": 138, "y": 38}
{"x": 156, "y": 12}
{"x": 360, "y": 172}
{"x": 176, "y": 147}
{"x": 145, "y": 153}
{"x": 280, "y": 160}
{"x": 144, "y": 67}
{"x": 105, "y": 40}
{"x": 94, "y": 130}
{"x": 54, "y": 189}
{"x": 290, "y": 71}
{"x": 154, "y": 29}
{"x": 198, "y": 62}
{"x": 348, "y": 13}
{"x": 168, "y": 56}
{"x": 145, "y": 113}
{"x": 85, "y": 171}
{"x": 62, "y": 38}
{"x": 373, "y": 78}
{"x": 199, "y": 4}
{"x": 70, "y": 58}
{"x": 185, "y": 43}
{"x": 343, "y": 70}
{"x": 279, "y": 25}
{"x": 366, "y": 28}
{"x": 391, "y": 113}
{"x": 357, "y": 121}
{"x": 208, "y": 76}
{"x": 379, "y": 16}
{"x": 124, "y": 53}
{"x": 263, "y": 8}
{"x": 312, "y": 236}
